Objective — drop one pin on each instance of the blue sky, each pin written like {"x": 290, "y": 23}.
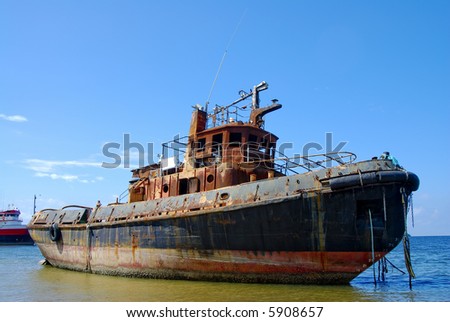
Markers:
{"x": 75, "y": 75}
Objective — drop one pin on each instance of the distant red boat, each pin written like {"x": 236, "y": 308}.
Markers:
{"x": 12, "y": 231}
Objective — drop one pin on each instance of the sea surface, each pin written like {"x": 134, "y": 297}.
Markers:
{"x": 25, "y": 280}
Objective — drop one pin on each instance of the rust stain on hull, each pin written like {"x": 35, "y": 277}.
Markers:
{"x": 238, "y": 266}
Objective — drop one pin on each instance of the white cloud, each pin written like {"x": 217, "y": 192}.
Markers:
{"x": 54, "y": 176}
{"x": 13, "y": 118}
{"x": 49, "y": 166}
{"x": 57, "y": 170}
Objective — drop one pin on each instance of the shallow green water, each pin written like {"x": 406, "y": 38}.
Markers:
{"x": 26, "y": 280}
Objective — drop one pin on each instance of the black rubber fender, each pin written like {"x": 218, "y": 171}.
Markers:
{"x": 410, "y": 179}
{"x": 54, "y": 232}
{"x": 353, "y": 180}
{"x": 414, "y": 181}
{"x": 392, "y": 176}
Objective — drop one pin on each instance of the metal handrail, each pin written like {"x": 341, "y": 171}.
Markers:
{"x": 308, "y": 162}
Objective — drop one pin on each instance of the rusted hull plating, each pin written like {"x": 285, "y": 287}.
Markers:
{"x": 284, "y": 230}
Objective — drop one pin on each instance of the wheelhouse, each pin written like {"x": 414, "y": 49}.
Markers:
{"x": 229, "y": 152}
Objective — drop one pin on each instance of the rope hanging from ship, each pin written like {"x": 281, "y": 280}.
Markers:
{"x": 382, "y": 264}
{"x": 411, "y": 208}
{"x": 383, "y": 269}
{"x": 372, "y": 247}
{"x": 407, "y": 202}
{"x": 406, "y": 243}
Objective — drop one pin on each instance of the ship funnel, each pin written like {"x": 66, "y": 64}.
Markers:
{"x": 255, "y": 93}
{"x": 261, "y": 86}
{"x": 256, "y": 116}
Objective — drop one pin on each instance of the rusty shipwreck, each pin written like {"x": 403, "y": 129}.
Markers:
{"x": 234, "y": 209}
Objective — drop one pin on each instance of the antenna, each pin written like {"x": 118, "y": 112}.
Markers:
{"x": 223, "y": 59}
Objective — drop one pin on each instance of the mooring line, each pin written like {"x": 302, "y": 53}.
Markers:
{"x": 373, "y": 248}
{"x": 406, "y": 243}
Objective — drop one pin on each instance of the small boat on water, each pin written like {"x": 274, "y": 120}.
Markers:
{"x": 235, "y": 209}
{"x": 12, "y": 231}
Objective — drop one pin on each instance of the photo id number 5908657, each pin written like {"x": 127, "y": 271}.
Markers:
{"x": 295, "y": 312}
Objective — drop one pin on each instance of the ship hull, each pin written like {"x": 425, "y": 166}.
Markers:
{"x": 15, "y": 236}
{"x": 326, "y": 268}
{"x": 285, "y": 230}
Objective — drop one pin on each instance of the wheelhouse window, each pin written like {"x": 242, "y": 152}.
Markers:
{"x": 235, "y": 140}
{"x": 252, "y": 138}
{"x": 201, "y": 144}
{"x": 217, "y": 141}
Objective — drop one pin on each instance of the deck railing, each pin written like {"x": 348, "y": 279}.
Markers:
{"x": 288, "y": 165}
